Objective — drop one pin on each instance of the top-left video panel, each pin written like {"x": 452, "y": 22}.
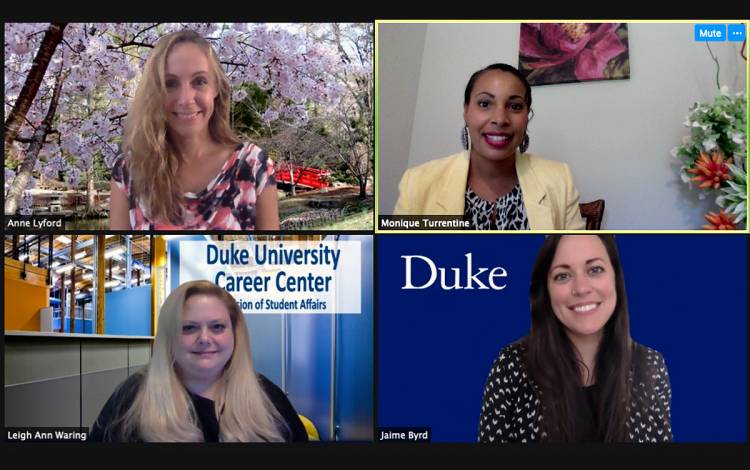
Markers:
{"x": 180, "y": 126}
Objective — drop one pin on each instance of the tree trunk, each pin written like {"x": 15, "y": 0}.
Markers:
{"x": 90, "y": 193}
{"x": 291, "y": 181}
{"x": 51, "y": 39}
{"x": 23, "y": 176}
{"x": 362, "y": 186}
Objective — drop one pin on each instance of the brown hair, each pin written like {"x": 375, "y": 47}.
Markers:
{"x": 554, "y": 365}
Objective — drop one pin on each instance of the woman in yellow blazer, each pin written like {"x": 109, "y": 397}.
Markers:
{"x": 494, "y": 184}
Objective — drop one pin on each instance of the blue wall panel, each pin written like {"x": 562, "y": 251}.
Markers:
{"x": 265, "y": 344}
{"x": 354, "y": 358}
{"x": 128, "y": 311}
{"x": 81, "y": 326}
{"x": 309, "y": 369}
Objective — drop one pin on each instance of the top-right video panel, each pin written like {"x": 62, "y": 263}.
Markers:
{"x": 561, "y": 126}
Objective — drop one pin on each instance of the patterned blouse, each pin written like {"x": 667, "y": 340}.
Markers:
{"x": 227, "y": 202}
{"x": 506, "y": 213}
{"x": 512, "y": 409}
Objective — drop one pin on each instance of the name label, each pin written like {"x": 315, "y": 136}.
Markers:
{"x": 419, "y": 434}
{"x": 33, "y": 223}
{"x": 45, "y": 434}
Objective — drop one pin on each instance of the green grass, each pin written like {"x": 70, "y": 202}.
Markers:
{"x": 101, "y": 223}
{"x": 360, "y": 212}
{"x": 358, "y": 221}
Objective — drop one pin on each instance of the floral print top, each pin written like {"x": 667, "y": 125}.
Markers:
{"x": 227, "y": 202}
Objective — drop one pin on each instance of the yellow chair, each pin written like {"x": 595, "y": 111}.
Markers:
{"x": 312, "y": 432}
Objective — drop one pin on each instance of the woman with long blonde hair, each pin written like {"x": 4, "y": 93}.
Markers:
{"x": 200, "y": 384}
{"x": 182, "y": 166}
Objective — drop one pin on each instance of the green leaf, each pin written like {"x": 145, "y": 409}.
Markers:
{"x": 736, "y": 187}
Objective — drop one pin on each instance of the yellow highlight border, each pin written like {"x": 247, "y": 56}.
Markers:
{"x": 379, "y": 231}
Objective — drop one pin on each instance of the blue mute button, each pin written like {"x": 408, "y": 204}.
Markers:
{"x": 710, "y": 32}
{"x": 736, "y": 32}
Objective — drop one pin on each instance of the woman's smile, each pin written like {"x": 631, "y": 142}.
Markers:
{"x": 497, "y": 140}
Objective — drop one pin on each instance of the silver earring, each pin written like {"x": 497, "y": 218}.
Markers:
{"x": 524, "y": 143}
{"x": 465, "y": 137}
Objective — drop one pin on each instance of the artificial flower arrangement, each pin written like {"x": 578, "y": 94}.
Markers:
{"x": 714, "y": 157}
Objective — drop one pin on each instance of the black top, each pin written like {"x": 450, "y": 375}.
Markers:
{"x": 122, "y": 399}
{"x": 588, "y": 419}
{"x": 512, "y": 410}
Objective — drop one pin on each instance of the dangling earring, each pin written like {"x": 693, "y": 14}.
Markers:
{"x": 524, "y": 143}
{"x": 465, "y": 137}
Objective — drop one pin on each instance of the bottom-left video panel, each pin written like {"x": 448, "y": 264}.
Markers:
{"x": 188, "y": 338}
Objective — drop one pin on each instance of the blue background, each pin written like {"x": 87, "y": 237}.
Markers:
{"x": 687, "y": 299}
{"x": 121, "y": 316}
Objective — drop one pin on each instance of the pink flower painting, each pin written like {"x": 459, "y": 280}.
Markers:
{"x": 573, "y": 52}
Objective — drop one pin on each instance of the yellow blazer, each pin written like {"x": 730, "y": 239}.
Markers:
{"x": 438, "y": 187}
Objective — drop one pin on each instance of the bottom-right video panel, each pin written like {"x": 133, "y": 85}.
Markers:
{"x": 562, "y": 338}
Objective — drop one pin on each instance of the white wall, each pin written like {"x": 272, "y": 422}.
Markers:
{"x": 615, "y": 135}
{"x": 398, "y": 81}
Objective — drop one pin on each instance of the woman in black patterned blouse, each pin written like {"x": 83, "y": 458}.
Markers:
{"x": 577, "y": 376}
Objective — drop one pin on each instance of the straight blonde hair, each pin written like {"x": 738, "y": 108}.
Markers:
{"x": 151, "y": 155}
{"x": 163, "y": 411}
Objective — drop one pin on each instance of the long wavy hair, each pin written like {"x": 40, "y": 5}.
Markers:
{"x": 152, "y": 157}
{"x": 555, "y": 366}
{"x": 163, "y": 411}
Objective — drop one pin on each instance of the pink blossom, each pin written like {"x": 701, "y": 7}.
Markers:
{"x": 270, "y": 115}
{"x": 25, "y": 205}
{"x": 590, "y": 46}
{"x": 239, "y": 95}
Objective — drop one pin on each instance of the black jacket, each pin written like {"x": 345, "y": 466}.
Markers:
{"x": 512, "y": 409}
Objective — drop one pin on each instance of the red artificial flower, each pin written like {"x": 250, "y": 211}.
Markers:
{"x": 720, "y": 221}
{"x": 710, "y": 171}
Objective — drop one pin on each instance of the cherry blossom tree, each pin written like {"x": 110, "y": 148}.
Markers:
{"x": 349, "y": 123}
{"x": 351, "y": 120}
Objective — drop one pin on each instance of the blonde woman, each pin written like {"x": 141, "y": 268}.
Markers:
{"x": 182, "y": 166}
{"x": 200, "y": 384}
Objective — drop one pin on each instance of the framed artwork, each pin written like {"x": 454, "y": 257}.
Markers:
{"x": 552, "y": 53}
